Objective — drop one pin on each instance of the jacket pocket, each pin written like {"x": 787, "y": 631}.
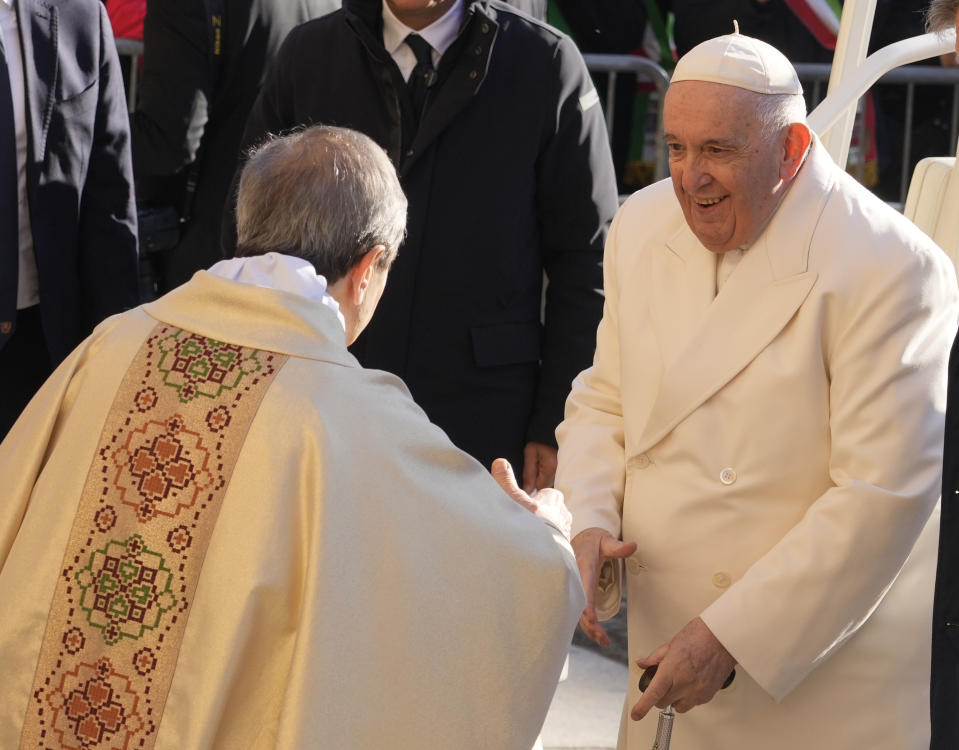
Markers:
{"x": 507, "y": 343}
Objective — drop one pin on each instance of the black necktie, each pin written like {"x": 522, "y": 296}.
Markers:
{"x": 423, "y": 75}
{"x": 9, "y": 222}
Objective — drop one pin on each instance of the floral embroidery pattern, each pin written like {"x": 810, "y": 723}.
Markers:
{"x": 126, "y": 589}
{"x": 94, "y": 707}
{"x": 161, "y": 468}
{"x": 197, "y": 366}
{"x": 141, "y": 530}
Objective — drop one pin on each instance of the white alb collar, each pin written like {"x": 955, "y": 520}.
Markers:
{"x": 282, "y": 272}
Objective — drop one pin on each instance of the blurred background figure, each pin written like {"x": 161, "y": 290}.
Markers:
{"x": 68, "y": 255}
{"x": 770, "y": 20}
{"x": 126, "y": 17}
{"x": 203, "y": 64}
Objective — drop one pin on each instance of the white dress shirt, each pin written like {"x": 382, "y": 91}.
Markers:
{"x": 28, "y": 286}
{"x": 728, "y": 262}
{"x": 440, "y": 35}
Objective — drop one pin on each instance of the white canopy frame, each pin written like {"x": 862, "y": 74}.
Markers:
{"x": 853, "y": 72}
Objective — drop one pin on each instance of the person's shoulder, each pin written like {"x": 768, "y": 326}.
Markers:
{"x": 855, "y": 209}
{"x": 318, "y": 30}
{"x": 862, "y": 244}
{"x": 367, "y": 406}
{"x": 515, "y": 23}
{"x": 653, "y": 207}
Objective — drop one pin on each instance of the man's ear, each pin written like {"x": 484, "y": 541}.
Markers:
{"x": 361, "y": 274}
{"x": 795, "y": 147}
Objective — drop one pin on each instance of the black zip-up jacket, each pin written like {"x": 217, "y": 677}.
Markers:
{"x": 508, "y": 176}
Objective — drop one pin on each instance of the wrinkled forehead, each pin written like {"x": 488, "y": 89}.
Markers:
{"x": 703, "y": 105}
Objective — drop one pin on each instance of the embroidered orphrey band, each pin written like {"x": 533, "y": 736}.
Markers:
{"x": 141, "y": 531}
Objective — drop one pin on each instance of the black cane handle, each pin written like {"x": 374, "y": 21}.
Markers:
{"x": 647, "y": 676}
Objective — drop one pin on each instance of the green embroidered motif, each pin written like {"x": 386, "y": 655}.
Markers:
{"x": 126, "y": 589}
{"x": 199, "y": 366}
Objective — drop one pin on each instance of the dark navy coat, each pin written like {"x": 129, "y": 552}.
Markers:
{"x": 509, "y": 179}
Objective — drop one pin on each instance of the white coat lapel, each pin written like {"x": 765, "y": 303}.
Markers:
{"x": 682, "y": 287}
{"x": 759, "y": 299}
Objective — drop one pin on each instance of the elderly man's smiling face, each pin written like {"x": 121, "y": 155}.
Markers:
{"x": 725, "y": 169}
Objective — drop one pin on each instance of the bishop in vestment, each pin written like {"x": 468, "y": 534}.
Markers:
{"x": 218, "y": 531}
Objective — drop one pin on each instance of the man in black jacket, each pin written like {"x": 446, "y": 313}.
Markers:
{"x": 193, "y": 100}
{"x": 507, "y": 168}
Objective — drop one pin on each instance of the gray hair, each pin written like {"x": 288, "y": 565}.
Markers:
{"x": 324, "y": 194}
{"x": 941, "y": 15}
{"x": 778, "y": 111}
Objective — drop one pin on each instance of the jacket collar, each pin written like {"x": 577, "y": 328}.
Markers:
{"x": 256, "y": 317}
{"x": 715, "y": 338}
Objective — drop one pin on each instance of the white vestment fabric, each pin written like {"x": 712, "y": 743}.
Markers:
{"x": 366, "y": 584}
{"x": 774, "y": 450}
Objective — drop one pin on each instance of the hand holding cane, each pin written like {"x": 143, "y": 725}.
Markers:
{"x": 664, "y": 729}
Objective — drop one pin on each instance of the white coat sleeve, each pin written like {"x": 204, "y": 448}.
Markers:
{"x": 592, "y": 465}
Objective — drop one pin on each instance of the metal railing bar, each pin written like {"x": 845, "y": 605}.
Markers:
{"x": 907, "y": 142}
{"x": 645, "y": 70}
{"x": 610, "y": 102}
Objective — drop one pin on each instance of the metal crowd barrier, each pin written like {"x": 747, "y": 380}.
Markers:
{"x": 645, "y": 70}
{"x": 908, "y": 75}
{"x": 814, "y": 76}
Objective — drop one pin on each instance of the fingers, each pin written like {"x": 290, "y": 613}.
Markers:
{"x": 591, "y": 627}
{"x": 502, "y": 472}
{"x": 530, "y": 468}
{"x": 546, "y": 473}
{"x": 655, "y": 695}
{"x": 539, "y": 466}
{"x": 654, "y": 658}
{"x": 609, "y": 546}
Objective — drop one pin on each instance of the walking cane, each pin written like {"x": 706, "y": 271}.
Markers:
{"x": 664, "y": 729}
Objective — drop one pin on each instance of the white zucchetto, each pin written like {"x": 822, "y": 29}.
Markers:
{"x": 741, "y": 61}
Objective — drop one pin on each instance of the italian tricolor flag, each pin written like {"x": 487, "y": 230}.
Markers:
{"x": 821, "y": 17}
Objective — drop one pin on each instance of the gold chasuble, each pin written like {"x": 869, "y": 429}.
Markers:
{"x": 140, "y": 534}
{"x": 218, "y": 531}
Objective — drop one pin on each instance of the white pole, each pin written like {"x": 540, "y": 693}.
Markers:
{"x": 855, "y": 27}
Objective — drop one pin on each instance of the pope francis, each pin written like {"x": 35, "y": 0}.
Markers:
{"x": 218, "y": 531}
{"x": 760, "y": 435}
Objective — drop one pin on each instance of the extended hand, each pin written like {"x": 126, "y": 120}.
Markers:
{"x": 547, "y": 503}
{"x": 692, "y": 667}
{"x": 592, "y": 548}
{"x": 539, "y": 466}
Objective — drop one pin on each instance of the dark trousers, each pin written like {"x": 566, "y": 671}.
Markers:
{"x": 24, "y": 366}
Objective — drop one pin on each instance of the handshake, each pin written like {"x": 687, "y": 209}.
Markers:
{"x": 546, "y": 503}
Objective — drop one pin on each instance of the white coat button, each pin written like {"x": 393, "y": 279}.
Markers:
{"x": 634, "y": 566}
{"x": 721, "y": 580}
{"x": 727, "y": 476}
{"x": 641, "y": 461}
